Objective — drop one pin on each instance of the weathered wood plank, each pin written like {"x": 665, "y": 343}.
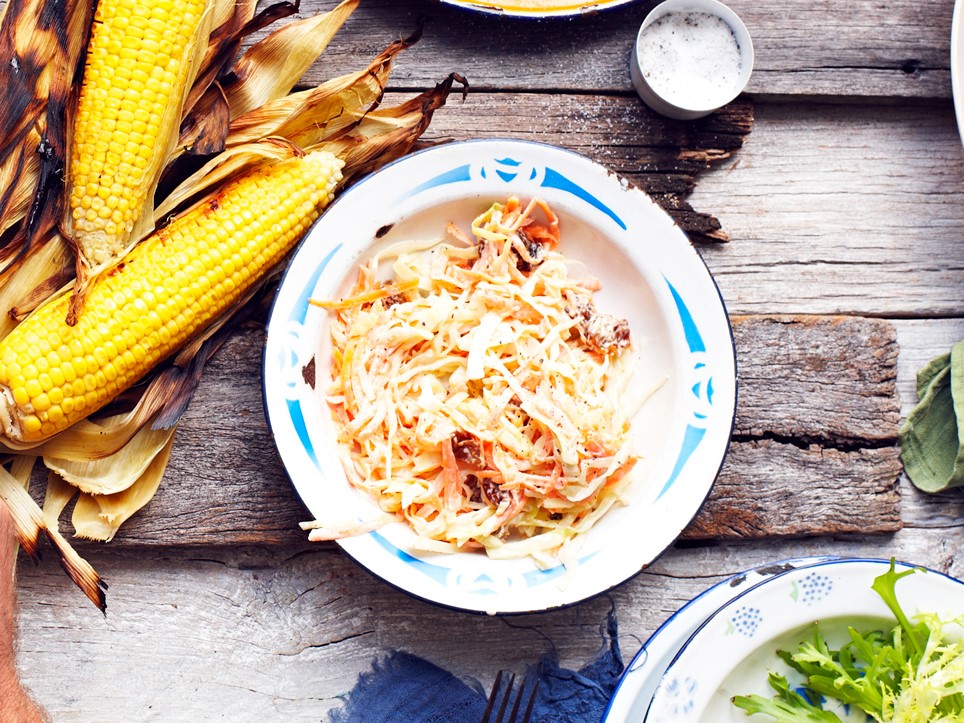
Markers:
{"x": 261, "y": 634}
{"x": 830, "y": 379}
{"x": 842, "y": 210}
{"x": 815, "y": 430}
{"x": 832, "y": 209}
{"x": 771, "y": 489}
{"x": 225, "y": 483}
{"x": 920, "y": 341}
{"x": 836, "y": 49}
{"x": 663, "y": 157}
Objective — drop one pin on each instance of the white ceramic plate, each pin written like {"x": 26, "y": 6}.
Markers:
{"x": 731, "y": 653}
{"x": 651, "y": 276}
{"x": 957, "y": 63}
{"x": 632, "y": 697}
{"x": 537, "y": 8}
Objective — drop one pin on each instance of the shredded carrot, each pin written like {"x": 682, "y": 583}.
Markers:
{"x": 471, "y": 406}
{"x": 366, "y": 297}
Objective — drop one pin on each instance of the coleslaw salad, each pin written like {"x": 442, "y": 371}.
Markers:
{"x": 478, "y": 393}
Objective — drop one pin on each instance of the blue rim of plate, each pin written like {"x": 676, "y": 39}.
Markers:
{"x": 457, "y": 174}
{"x": 832, "y": 562}
{"x": 765, "y": 572}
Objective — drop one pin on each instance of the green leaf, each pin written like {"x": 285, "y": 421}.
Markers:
{"x": 788, "y": 707}
{"x": 910, "y": 673}
{"x": 886, "y": 586}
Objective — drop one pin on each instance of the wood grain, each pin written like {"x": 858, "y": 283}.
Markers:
{"x": 219, "y": 633}
{"x": 822, "y": 433}
{"x": 836, "y": 204}
{"x": 842, "y": 210}
{"x": 818, "y": 49}
{"x": 778, "y": 489}
{"x": 831, "y": 208}
{"x": 831, "y": 380}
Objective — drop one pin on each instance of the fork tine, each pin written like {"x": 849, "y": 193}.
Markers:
{"x": 491, "y": 715}
{"x": 505, "y": 700}
{"x": 504, "y": 693}
{"x": 493, "y": 697}
{"x": 531, "y": 703}
{"x": 513, "y": 715}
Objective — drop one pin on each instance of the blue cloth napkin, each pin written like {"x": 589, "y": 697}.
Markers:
{"x": 404, "y": 688}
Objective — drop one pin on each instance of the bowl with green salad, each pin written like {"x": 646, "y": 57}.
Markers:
{"x": 845, "y": 640}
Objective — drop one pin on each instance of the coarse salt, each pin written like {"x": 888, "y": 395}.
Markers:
{"x": 691, "y": 59}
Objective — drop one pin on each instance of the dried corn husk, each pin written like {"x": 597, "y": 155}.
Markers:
{"x": 98, "y": 517}
{"x": 37, "y": 86}
{"x": 29, "y": 521}
{"x": 56, "y": 498}
{"x": 270, "y": 69}
{"x": 27, "y": 516}
{"x": 26, "y": 77}
{"x": 205, "y": 123}
{"x": 308, "y": 116}
{"x": 116, "y": 472}
{"x": 244, "y": 109}
{"x": 39, "y": 277}
{"x": 389, "y": 132}
{"x": 18, "y": 176}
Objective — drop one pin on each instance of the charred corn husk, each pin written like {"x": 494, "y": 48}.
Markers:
{"x": 170, "y": 286}
{"x": 140, "y": 62}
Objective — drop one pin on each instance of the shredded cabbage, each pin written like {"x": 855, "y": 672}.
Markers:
{"x": 477, "y": 391}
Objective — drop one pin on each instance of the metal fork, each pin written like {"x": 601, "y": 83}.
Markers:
{"x": 498, "y": 702}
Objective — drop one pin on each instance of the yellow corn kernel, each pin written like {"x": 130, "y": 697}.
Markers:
{"x": 129, "y": 75}
{"x": 151, "y": 317}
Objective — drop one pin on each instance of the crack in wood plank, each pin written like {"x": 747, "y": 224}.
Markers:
{"x": 328, "y": 643}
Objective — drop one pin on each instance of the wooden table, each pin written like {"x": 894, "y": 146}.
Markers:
{"x": 845, "y": 202}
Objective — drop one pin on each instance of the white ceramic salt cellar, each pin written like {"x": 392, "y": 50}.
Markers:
{"x": 690, "y": 58}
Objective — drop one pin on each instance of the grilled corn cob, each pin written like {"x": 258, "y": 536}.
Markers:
{"x": 139, "y": 64}
{"x": 171, "y": 285}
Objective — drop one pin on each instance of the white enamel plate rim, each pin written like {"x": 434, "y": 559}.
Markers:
{"x": 636, "y": 251}
{"x": 635, "y": 690}
{"x": 837, "y": 589}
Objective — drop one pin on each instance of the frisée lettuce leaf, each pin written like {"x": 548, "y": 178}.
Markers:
{"x": 787, "y": 706}
{"x": 912, "y": 673}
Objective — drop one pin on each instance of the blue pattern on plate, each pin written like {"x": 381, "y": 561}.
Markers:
{"x": 433, "y": 571}
{"x": 298, "y": 422}
{"x": 508, "y": 169}
{"x": 702, "y": 389}
{"x": 289, "y": 357}
{"x": 554, "y": 179}
{"x": 691, "y": 440}
{"x": 300, "y": 309}
{"x": 679, "y": 695}
{"x": 460, "y": 173}
{"x": 813, "y": 588}
{"x": 745, "y": 621}
{"x": 694, "y": 340}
